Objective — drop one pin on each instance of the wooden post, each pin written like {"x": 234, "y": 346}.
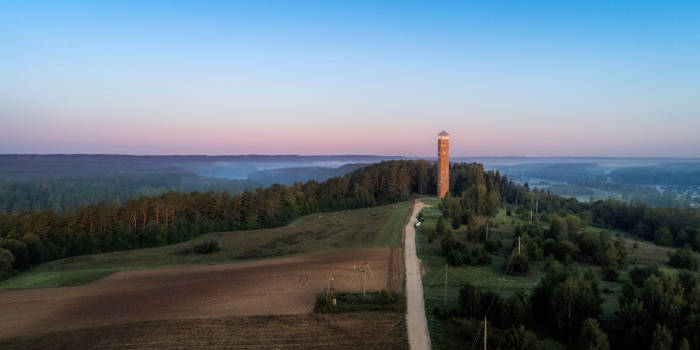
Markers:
{"x": 487, "y": 232}
{"x": 518, "y": 244}
{"x": 485, "y": 332}
{"x": 444, "y": 291}
{"x": 530, "y": 215}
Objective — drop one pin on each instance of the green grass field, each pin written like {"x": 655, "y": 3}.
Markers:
{"x": 370, "y": 227}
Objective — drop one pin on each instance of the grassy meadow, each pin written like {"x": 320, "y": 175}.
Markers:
{"x": 369, "y": 227}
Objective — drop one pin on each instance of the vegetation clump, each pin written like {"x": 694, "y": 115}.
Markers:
{"x": 683, "y": 258}
{"x": 383, "y": 300}
{"x": 208, "y": 247}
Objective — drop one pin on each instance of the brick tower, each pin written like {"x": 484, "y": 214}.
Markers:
{"x": 443, "y": 164}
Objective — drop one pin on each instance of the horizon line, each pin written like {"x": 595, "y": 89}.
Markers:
{"x": 342, "y": 155}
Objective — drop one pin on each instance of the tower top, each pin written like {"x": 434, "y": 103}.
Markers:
{"x": 443, "y": 134}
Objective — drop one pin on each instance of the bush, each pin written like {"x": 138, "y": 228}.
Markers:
{"x": 479, "y": 256}
{"x": 207, "y": 247}
{"x": 519, "y": 265}
{"x": 519, "y": 338}
{"x": 6, "y": 260}
{"x": 19, "y": 251}
{"x": 609, "y": 274}
{"x": 683, "y": 258}
{"x": 639, "y": 274}
{"x": 456, "y": 257}
{"x": 493, "y": 245}
{"x": 354, "y": 302}
{"x": 324, "y": 304}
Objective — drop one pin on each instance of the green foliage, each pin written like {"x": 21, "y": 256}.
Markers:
{"x": 565, "y": 298}
{"x": 19, "y": 251}
{"x": 208, "y": 247}
{"x": 519, "y": 338}
{"x": 6, "y": 261}
{"x": 683, "y": 258}
{"x": 493, "y": 245}
{"x": 519, "y": 265}
{"x": 383, "y": 300}
{"x": 574, "y": 300}
{"x": 67, "y": 194}
{"x": 662, "y": 339}
{"x": 455, "y": 222}
{"x": 474, "y": 302}
{"x": 639, "y": 274}
{"x": 663, "y": 237}
{"x": 609, "y": 274}
{"x": 51, "y": 279}
{"x": 592, "y": 337}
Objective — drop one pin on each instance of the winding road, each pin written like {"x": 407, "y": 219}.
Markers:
{"x": 417, "y": 324}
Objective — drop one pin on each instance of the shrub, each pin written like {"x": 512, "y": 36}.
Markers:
{"x": 19, "y": 251}
{"x": 6, "y": 260}
{"x": 493, "y": 245}
{"x": 609, "y": 274}
{"x": 683, "y": 258}
{"x": 592, "y": 337}
{"x": 479, "y": 256}
{"x": 519, "y": 338}
{"x": 456, "y": 222}
{"x": 639, "y": 274}
{"x": 324, "y": 304}
{"x": 519, "y": 265}
{"x": 207, "y": 247}
{"x": 456, "y": 257}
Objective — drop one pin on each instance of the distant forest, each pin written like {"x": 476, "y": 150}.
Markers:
{"x": 32, "y": 237}
{"x": 70, "y": 193}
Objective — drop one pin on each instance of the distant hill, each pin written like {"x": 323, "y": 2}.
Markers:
{"x": 677, "y": 174}
{"x": 19, "y": 167}
{"x": 288, "y": 176}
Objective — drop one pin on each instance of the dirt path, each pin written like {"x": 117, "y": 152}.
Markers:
{"x": 417, "y": 324}
{"x": 286, "y": 286}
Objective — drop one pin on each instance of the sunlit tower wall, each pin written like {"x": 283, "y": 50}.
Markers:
{"x": 443, "y": 164}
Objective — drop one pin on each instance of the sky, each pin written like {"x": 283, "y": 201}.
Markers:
{"x": 504, "y": 78}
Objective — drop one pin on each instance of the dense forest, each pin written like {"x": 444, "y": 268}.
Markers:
{"x": 664, "y": 226}
{"x": 656, "y": 309}
{"x": 69, "y": 193}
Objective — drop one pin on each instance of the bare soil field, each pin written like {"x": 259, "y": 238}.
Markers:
{"x": 285, "y": 286}
{"x": 366, "y": 330}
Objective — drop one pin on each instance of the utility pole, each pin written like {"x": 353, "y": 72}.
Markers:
{"x": 330, "y": 289}
{"x": 444, "y": 291}
{"x": 537, "y": 206}
{"x": 485, "y": 332}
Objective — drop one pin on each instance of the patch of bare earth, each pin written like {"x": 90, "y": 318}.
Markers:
{"x": 371, "y": 330}
{"x": 186, "y": 296}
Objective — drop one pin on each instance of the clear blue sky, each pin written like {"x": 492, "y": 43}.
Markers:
{"x": 525, "y": 78}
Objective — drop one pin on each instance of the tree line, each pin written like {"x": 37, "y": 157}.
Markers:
{"x": 673, "y": 227}
{"x": 70, "y": 193}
